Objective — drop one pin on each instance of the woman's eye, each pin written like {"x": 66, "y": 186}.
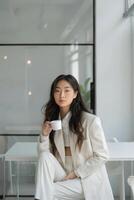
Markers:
{"x": 67, "y": 90}
{"x": 57, "y": 91}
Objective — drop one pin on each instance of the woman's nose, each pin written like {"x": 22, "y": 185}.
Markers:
{"x": 62, "y": 94}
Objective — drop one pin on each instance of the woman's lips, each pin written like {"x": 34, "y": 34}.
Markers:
{"x": 62, "y": 101}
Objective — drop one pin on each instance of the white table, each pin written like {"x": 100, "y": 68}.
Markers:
{"x": 20, "y": 151}
{"x": 27, "y": 151}
{"x": 121, "y": 151}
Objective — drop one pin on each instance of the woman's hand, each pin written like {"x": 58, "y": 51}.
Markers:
{"x": 71, "y": 175}
{"x": 46, "y": 128}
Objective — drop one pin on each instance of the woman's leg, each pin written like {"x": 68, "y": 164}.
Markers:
{"x": 49, "y": 171}
{"x": 68, "y": 190}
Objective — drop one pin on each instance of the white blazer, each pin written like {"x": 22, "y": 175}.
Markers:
{"x": 89, "y": 163}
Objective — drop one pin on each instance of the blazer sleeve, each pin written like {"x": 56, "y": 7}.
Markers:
{"x": 43, "y": 144}
{"x": 99, "y": 147}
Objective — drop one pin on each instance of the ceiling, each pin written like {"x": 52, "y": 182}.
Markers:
{"x": 43, "y": 21}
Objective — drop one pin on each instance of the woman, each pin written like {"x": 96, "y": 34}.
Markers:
{"x": 72, "y": 160}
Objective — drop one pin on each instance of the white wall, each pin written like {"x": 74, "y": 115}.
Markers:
{"x": 114, "y": 74}
{"x": 114, "y": 69}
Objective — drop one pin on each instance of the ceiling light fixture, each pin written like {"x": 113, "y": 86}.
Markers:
{"x": 29, "y": 62}
{"x": 45, "y": 26}
{"x": 5, "y": 57}
{"x": 29, "y": 93}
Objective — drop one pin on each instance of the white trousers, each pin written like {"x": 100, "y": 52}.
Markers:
{"x": 50, "y": 184}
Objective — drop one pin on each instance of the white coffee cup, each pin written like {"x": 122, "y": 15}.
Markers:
{"x": 56, "y": 125}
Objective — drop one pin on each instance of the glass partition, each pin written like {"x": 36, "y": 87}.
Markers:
{"x": 26, "y": 73}
{"x": 38, "y": 41}
{"x": 46, "y": 21}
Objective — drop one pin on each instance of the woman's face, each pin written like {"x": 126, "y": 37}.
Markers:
{"x": 64, "y": 94}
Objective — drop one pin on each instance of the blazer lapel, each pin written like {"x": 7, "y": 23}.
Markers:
{"x": 59, "y": 143}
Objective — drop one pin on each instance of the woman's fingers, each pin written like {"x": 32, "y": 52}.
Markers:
{"x": 46, "y": 128}
{"x": 71, "y": 175}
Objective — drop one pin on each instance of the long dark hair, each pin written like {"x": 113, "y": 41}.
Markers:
{"x": 51, "y": 110}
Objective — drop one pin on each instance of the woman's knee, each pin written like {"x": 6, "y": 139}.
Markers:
{"x": 45, "y": 156}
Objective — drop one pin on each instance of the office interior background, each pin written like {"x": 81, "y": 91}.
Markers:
{"x": 42, "y": 39}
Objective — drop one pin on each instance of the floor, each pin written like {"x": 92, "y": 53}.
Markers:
{"x": 21, "y": 198}
{"x": 13, "y": 198}
{"x": 28, "y": 189}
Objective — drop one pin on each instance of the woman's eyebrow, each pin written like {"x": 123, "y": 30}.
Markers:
{"x": 64, "y": 87}
{"x": 67, "y": 87}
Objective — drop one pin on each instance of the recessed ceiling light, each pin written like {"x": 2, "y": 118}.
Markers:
{"x": 29, "y": 62}
{"x": 5, "y": 57}
{"x": 29, "y": 93}
{"x": 45, "y": 25}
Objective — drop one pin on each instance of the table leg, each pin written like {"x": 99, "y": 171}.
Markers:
{"x": 122, "y": 192}
{"x": 10, "y": 174}
{"x": 132, "y": 173}
{"x": 18, "y": 181}
{"x": 4, "y": 181}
